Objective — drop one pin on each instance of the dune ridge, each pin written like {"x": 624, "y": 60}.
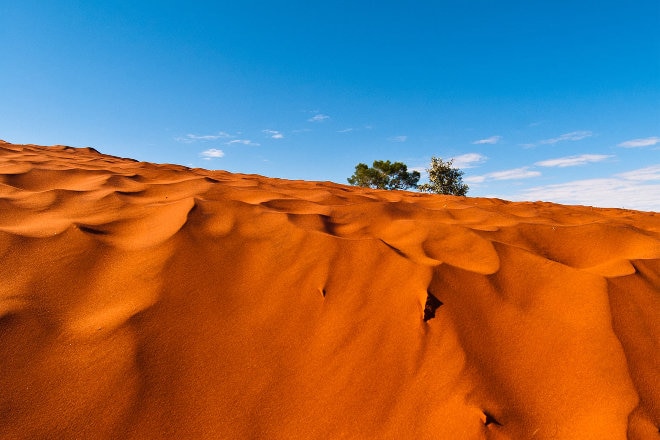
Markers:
{"x": 140, "y": 300}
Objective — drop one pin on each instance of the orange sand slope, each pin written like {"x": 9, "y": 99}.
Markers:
{"x": 142, "y": 301}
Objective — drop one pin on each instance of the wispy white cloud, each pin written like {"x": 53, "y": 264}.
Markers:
{"x": 398, "y": 139}
{"x": 468, "y": 160}
{"x": 274, "y": 134}
{"x": 243, "y": 142}
{"x": 632, "y": 190}
{"x": 190, "y": 138}
{"x": 571, "y": 161}
{"x": 490, "y": 141}
{"x": 318, "y": 118}
{"x": 644, "y": 142}
{"x": 513, "y": 174}
{"x": 212, "y": 153}
{"x": 643, "y": 174}
{"x": 475, "y": 179}
{"x": 572, "y": 136}
{"x": 351, "y": 129}
{"x": 516, "y": 173}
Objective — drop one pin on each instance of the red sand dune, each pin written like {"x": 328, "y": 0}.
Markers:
{"x": 143, "y": 301}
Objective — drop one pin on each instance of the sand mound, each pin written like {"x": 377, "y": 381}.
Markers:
{"x": 142, "y": 301}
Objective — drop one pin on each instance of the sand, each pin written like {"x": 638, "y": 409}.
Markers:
{"x": 145, "y": 301}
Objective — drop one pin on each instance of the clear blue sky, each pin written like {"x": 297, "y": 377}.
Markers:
{"x": 552, "y": 100}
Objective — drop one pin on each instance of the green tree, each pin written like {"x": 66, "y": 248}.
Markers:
{"x": 444, "y": 179}
{"x": 384, "y": 175}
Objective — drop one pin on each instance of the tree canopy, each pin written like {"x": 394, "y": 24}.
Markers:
{"x": 444, "y": 179}
{"x": 384, "y": 175}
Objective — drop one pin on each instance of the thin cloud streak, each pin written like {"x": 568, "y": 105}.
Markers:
{"x": 274, "y": 134}
{"x": 645, "y": 142}
{"x": 571, "y": 161}
{"x": 516, "y": 173}
{"x": 475, "y": 179}
{"x": 488, "y": 141}
{"x": 643, "y": 174}
{"x": 572, "y": 136}
{"x": 190, "y": 138}
{"x": 243, "y": 142}
{"x": 513, "y": 174}
{"x": 468, "y": 160}
{"x": 318, "y": 118}
{"x": 398, "y": 139}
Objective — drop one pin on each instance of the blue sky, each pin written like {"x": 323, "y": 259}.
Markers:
{"x": 535, "y": 100}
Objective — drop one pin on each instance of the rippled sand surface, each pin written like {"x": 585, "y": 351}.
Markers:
{"x": 145, "y": 301}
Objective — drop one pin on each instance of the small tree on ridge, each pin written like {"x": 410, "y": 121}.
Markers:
{"x": 384, "y": 175}
{"x": 444, "y": 179}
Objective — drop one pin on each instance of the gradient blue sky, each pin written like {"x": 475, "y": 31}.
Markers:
{"x": 535, "y": 100}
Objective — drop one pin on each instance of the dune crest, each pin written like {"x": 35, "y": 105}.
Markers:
{"x": 140, "y": 300}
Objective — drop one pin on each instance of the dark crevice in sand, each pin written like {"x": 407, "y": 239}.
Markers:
{"x": 490, "y": 420}
{"x": 329, "y": 226}
{"x": 397, "y": 250}
{"x": 432, "y": 304}
{"x": 93, "y": 231}
{"x": 130, "y": 193}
